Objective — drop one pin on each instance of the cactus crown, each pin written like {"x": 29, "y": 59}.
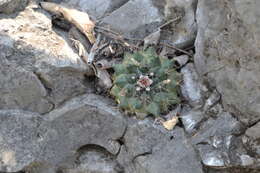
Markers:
{"x": 145, "y": 83}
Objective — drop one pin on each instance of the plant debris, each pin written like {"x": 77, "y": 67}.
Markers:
{"x": 80, "y": 19}
{"x": 170, "y": 124}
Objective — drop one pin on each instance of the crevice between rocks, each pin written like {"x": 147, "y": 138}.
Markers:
{"x": 48, "y": 90}
{"x": 121, "y": 140}
{"x": 142, "y": 154}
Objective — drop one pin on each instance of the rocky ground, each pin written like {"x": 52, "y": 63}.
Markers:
{"x": 52, "y": 119}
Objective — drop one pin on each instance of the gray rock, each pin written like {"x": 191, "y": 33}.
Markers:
{"x": 213, "y": 99}
{"x": 246, "y": 160}
{"x": 214, "y": 110}
{"x": 181, "y": 60}
{"x": 251, "y": 139}
{"x": 226, "y": 51}
{"x": 184, "y": 30}
{"x": 40, "y": 167}
{"x": 28, "y": 42}
{"x": 191, "y": 120}
{"x": 152, "y": 39}
{"x": 254, "y": 131}
{"x": 136, "y": 18}
{"x": 11, "y": 6}
{"x": 31, "y": 142}
{"x": 95, "y": 161}
{"x": 88, "y": 119}
{"x": 154, "y": 150}
{"x": 96, "y": 9}
{"x": 192, "y": 88}
{"x": 214, "y": 158}
{"x": 21, "y": 89}
{"x": 232, "y": 170}
{"x": 125, "y": 159}
{"x": 229, "y": 126}
{"x": 218, "y": 142}
{"x": 19, "y": 142}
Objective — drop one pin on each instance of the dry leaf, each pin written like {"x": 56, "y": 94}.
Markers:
{"x": 80, "y": 19}
{"x": 170, "y": 124}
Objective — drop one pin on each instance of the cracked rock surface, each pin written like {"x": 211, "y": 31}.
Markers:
{"x": 156, "y": 153}
{"x": 227, "y": 53}
{"x": 37, "y": 63}
{"x": 52, "y": 122}
{"x": 28, "y": 138}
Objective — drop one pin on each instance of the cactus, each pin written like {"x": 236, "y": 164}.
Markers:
{"x": 145, "y": 83}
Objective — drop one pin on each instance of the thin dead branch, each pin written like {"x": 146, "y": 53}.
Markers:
{"x": 176, "y": 48}
{"x": 169, "y": 22}
{"x": 93, "y": 50}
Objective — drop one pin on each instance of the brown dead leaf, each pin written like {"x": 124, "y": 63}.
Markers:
{"x": 170, "y": 124}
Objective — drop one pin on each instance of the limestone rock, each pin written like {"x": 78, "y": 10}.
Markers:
{"x": 95, "y": 9}
{"x": 93, "y": 160}
{"x": 192, "y": 119}
{"x": 153, "y": 149}
{"x": 19, "y": 140}
{"x": 11, "y": 6}
{"x": 212, "y": 100}
{"x": 21, "y": 89}
{"x": 251, "y": 139}
{"x": 229, "y": 126}
{"x": 136, "y": 18}
{"x": 192, "y": 87}
{"x": 88, "y": 119}
{"x": 227, "y": 51}
{"x": 219, "y": 143}
{"x": 28, "y": 43}
{"x": 30, "y": 141}
{"x": 184, "y": 30}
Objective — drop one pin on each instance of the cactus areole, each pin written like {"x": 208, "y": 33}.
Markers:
{"x": 145, "y": 83}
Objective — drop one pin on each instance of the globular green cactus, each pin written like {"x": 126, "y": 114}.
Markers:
{"x": 145, "y": 83}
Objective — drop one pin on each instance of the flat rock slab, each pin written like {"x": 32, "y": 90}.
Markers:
{"x": 88, "y": 119}
{"x": 96, "y": 9}
{"x": 27, "y": 137}
{"x": 11, "y": 6}
{"x": 219, "y": 143}
{"x": 192, "y": 87}
{"x": 227, "y": 53}
{"x": 224, "y": 125}
{"x": 154, "y": 150}
{"x": 251, "y": 139}
{"x": 184, "y": 26}
{"x": 93, "y": 160}
{"x": 21, "y": 89}
{"x": 136, "y": 19}
{"x": 37, "y": 53}
{"x": 19, "y": 144}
